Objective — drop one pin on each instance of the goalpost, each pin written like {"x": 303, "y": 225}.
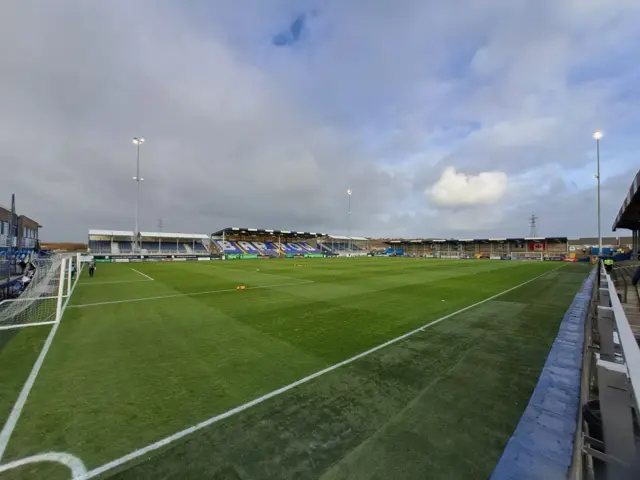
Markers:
{"x": 42, "y": 299}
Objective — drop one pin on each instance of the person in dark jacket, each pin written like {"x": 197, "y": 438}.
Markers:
{"x": 636, "y": 276}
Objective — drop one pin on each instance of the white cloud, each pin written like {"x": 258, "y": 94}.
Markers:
{"x": 458, "y": 189}
{"x": 242, "y": 133}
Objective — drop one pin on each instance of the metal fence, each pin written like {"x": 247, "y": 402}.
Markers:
{"x": 607, "y": 441}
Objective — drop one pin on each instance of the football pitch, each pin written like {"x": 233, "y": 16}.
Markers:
{"x": 339, "y": 368}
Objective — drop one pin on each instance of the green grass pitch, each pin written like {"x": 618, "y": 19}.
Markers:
{"x": 136, "y": 360}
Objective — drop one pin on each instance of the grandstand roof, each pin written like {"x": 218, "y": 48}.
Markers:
{"x": 190, "y": 236}
{"x": 342, "y": 237}
{"x": 120, "y": 233}
{"x": 473, "y": 240}
{"x": 629, "y": 215}
{"x": 265, "y": 232}
{"x": 111, "y": 233}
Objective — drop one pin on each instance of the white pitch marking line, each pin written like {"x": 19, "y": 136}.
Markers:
{"x": 131, "y": 300}
{"x": 183, "y": 433}
{"x": 12, "y": 420}
{"x": 143, "y": 274}
{"x": 15, "y": 327}
{"x": 90, "y": 284}
{"x": 74, "y": 463}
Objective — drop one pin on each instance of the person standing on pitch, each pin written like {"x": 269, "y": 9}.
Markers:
{"x": 92, "y": 268}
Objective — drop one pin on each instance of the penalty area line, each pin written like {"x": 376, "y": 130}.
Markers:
{"x": 143, "y": 274}
{"x": 183, "y": 433}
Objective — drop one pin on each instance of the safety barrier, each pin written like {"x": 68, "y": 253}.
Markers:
{"x": 606, "y": 444}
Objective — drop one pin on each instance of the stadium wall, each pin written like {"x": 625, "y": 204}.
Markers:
{"x": 542, "y": 443}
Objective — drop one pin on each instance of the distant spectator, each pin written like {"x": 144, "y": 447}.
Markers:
{"x": 608, "y": 264}
{"x": 636, "y": 276}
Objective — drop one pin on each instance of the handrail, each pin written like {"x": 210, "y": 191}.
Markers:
{"x": 628, "y": 343}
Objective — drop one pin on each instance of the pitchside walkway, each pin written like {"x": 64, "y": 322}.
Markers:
{"x": 629, "y": 294}
{"x": 541, "y": 446}
{"x": 582, "y": 418}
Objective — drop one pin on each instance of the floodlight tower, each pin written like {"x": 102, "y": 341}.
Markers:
{"x": 349, "y": 220}
{"x": 138, "y": 141}
{"x": 597, "y": 136}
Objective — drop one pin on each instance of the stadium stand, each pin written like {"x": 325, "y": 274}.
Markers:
{"x": 200, "y": 248}
{"x": 226, "y": 246}
{"x": 257, "y": 242}
{"x": 124, "y": 247}
{"x": 108, "y": 242}
{"x": 159, "y": 243}
{"x": 495, "y": 248}
{"x": 343, "y": 246}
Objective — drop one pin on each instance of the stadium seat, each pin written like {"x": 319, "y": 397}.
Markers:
{"x": 100, "y": 246}
{"x": 200, "y": 248}
{"x": 125, "y": 247}
{"x": 226, "y": 246}
{"x": 309, "y": 248}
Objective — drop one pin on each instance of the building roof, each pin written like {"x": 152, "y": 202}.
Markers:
{"x": 264, "y": 232}
{"x": 130, "y": 234}
{"x": 185, "y": 236}
{"x": 342, "y": 237}
{"x": 24, "y": 217}
{"x": 629, "y": 214}
{"x": 473, "y": 240}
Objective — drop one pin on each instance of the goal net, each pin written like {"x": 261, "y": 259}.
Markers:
{"x": 37, "y": 297}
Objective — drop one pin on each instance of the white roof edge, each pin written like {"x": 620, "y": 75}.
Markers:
{"x": 111, "y": 233}
{"x": 497, "y": 239}
{"x": 174, "y": 235}
{"x": 344, "y": 237}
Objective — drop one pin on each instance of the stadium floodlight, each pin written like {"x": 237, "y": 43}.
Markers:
{"x": 597, "y": 136}
{"x": 349, "y": 192}
{"x": 137, "y": 141}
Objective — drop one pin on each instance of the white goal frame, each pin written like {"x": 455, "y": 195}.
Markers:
{"x": 16, "y": 307}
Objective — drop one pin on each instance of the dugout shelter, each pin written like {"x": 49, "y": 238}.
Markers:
{"x": 628, "y": 217}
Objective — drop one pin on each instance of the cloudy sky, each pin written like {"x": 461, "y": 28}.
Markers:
{"x": 457, "y": 118}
